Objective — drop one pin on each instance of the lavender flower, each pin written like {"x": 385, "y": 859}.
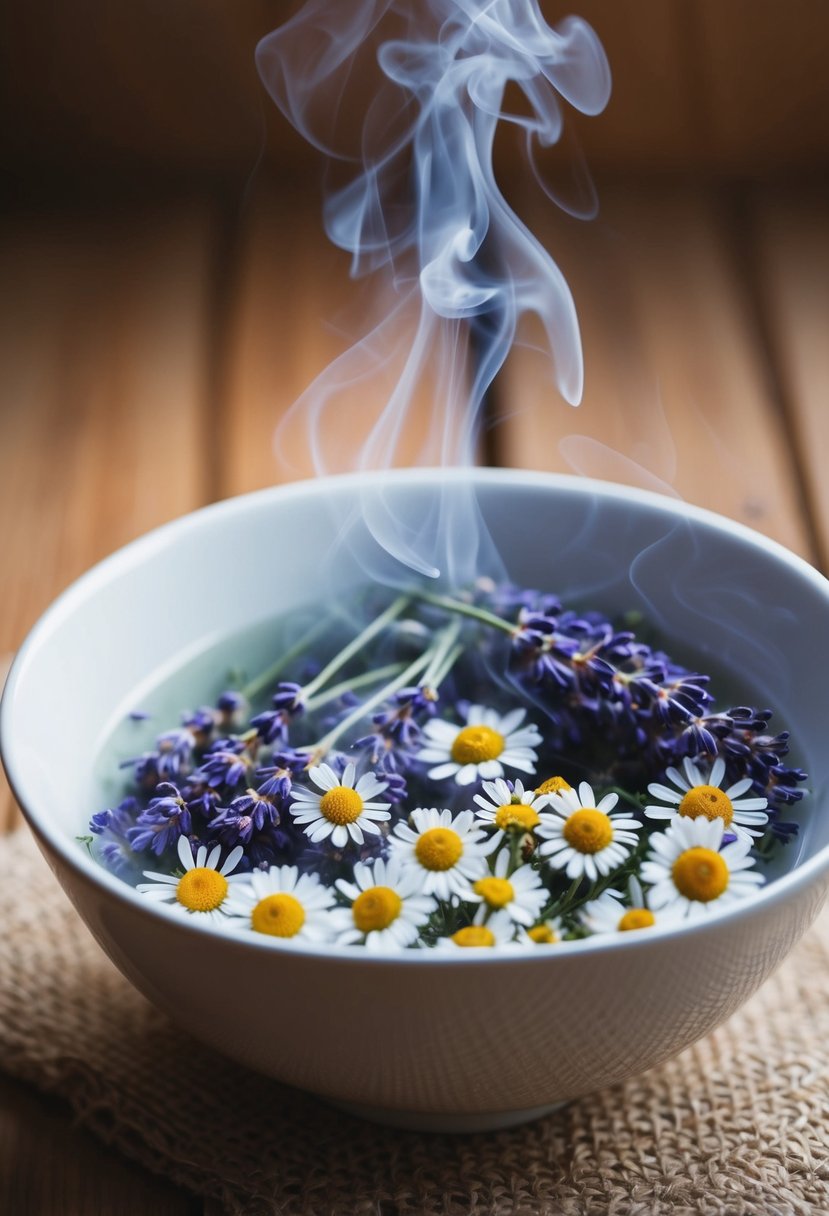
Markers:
{"x": 614, "y": 712}
{"x": 272, "y": 725}
{"x": 226, "y": 762}
{"x": 397, "y": 731}
{"x": 230, "y": 706}
{"x": 174, "y": 750}
{"x": 113, "y": 826}
{"x": 162, "y": 823}
{"x": 201, "y": 723}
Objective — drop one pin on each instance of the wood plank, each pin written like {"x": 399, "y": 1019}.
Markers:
{"x": 49, "y": 1167}
{"x": 791, "y": 230}
{"x": 103, "y": 341}
{"x": 294, "y": 312}
{"x": 736, "y": 84}
{"x": 652, "y": 120}
{"x": 761, "y": 85}
{"x": 9, "y": 814}
{"x": 676, "y": 397}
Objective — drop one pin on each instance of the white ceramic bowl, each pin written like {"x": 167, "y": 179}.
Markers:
{"x": 472, "y": 1039}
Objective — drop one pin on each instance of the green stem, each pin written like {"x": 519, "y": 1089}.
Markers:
{"x": 368, "y": 677}
{"x": 477, "y": 614}
{"x": 252, "y": 690}
{"x": 434, "y": 672}
{"x": 559, "y": 907}
{"x": 325, "y": 744}
{"x": 357, "y": 644}
{"x": 451, "y": 660}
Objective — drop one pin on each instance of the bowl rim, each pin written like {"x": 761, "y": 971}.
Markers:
{"x": 133, "y": 553}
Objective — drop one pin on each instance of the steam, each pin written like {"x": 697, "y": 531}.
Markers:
{"x": 422, "y": 212}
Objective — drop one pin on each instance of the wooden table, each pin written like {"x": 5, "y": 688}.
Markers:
{"x": 150, "y": 348}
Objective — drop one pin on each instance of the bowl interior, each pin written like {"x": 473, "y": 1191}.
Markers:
{"x": 723, "y": 597}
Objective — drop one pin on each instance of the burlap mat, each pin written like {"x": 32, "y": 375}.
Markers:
{"x": 738, "y": 1124}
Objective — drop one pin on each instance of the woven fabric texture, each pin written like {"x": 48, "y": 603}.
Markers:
{"x": 738, "y": 1124}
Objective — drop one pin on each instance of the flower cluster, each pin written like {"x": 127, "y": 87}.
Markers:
{"x": 488, "y": 770}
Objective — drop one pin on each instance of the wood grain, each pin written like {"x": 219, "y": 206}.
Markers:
{"x": 676, "y": 395}
{"x": 738, "y": 85}
{"x": 104, "y": 342}
{"x": 49, "y": 1167}
{"x": 759, "y": 82}
{"x": 294, "y": 312}
{"x": 700, "y": 380}
{"x": 791, "y": 231}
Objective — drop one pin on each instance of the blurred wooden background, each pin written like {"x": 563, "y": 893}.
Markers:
{"x": 734, "y": 87}
{"x": 168, "y": 293}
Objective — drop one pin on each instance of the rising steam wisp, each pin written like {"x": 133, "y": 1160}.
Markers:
{"x": 423, "y": 213}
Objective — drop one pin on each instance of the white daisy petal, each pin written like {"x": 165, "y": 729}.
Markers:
{"x": 231, "y": 861}
{"x": 185, "y": 853}
{"x": 384, "y": 914}
{"x": 443, "y": 854}
{"x": 480, "y": 748}
{"x": 283, "y": 905}
{"x": 699, "y": 794}
{"x": 665, "y": 792}
{"x": 443, "y": 770}
{"x": 683, "y": 879}
{"x": 582, "y": 838}
{"x": 468, "y": 773}
{"x": 499, "y": 930}
{"x": 204, "y": 891}
{"x": 344, "y": 810}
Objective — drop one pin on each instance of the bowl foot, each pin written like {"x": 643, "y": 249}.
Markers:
{"x": 446, "y": 1122}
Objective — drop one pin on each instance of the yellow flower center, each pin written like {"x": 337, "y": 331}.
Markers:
{"x": 588, "y": 830}
{"x": 201, "y": 889}
{"x": 553, "y": 785}
{"x": 708, "y": 801}
{"x": 700, "y": 874}
{"x": 475, "y": 744}
{"x": 474, "y": 935}
{"x": 341, "y": 805}
{"x": 516, "y": 815}
{"x": 438, "y": 849}
{"x": 636, "y": 918}
{"x": 543, "y": 935}
{"x": 376, "y": 908}
{"x": 497, "y": 892}
{"x": 278, "y": 915}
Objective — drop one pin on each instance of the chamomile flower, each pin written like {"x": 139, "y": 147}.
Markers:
{"x": 544, "y": 933}
{"x": 553, "y": 785}
{"x": 691, "y": 871}
{"x": 344, "y": 808}
{"x": 583, "y": 838}
{"x": 521, "y": 895}
{"x": 508, "y": 810}
{"x": 700, "y": 794}
{"x": 446, "y": 854}
{"x": 608, "y": 913}
{"x": 481, "y": 748}
{"x": 387, "y": 906}
{"x": 203, "y": 889}
{"x": 499, "y": 930}
{"x": 282, "y": 903}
